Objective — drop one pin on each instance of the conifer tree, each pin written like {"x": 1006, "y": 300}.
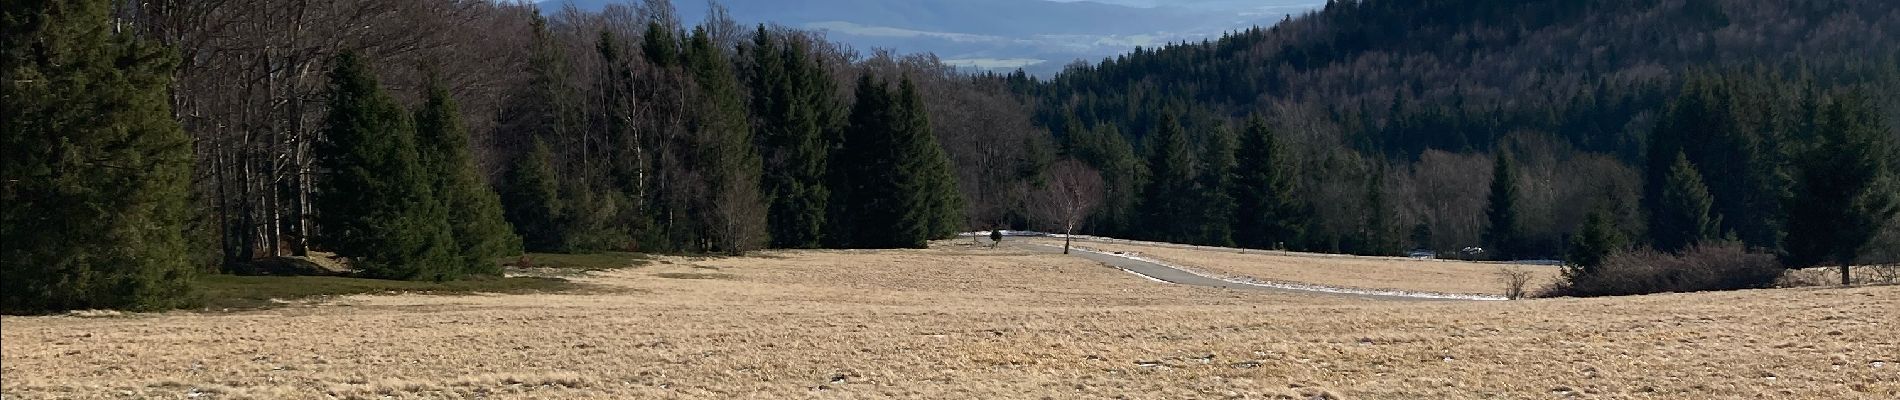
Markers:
{"x": 532, "y": 200}
{"x": 660, "y": 46}
{"x": 728, "y": 157}
{"x": 1171, "y": 176}
{"x": 1501, "y": 232}
{"x": 940, "y": 210}
{"x": 863, "y": 209}
{"x": 481, "y": 233}
{"x": 1845, "y": 191}
{"x": 791, "y": 95}
{"x": 1267, "y": 212}
{"x": 896, "y": 191}
{"x": 374, "y": 200}
{"x": 1684, "y": 215}
{"x": 1598, "y": 239}
{"x": 1214, "y": 191}
{"x": 1122, "y": 175}
{"x": 1380, "y": 235}
{"x": 550, "y": 110}
{"x": 96, "y": 170}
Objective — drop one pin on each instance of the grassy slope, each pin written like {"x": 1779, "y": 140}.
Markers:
{"x": 230, "y": 291}
{"x": 963, "y": 322}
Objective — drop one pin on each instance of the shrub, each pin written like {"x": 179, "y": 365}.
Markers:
{"x": 1515, "y": 280}
{"x": 1707, "y": 267}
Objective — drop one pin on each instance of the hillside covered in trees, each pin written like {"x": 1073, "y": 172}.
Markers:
{"x": 1391, "y": 117}
{"x": 146, "y": 142}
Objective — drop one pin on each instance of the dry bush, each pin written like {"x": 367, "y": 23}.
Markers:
{"x": 1725, "y": 266}
{"x": 1515, "y": 280}
{"x": 1887, "y": 274}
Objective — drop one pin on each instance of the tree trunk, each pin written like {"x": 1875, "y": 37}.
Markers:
{"x": 1067, "y": 237}
{"x": 1847, "y": 278}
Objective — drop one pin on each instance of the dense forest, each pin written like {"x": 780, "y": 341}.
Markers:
{"x": 146, "y": 142}
{"x": 1390, "y": 119}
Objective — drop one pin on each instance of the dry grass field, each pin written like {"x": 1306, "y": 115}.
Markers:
{"x": 960, "y": 322}
{"x": 1381, "y": 273}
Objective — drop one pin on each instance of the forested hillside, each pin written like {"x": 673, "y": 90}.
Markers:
{"x": 1392, "y": 112}
{"x": 426, "y": 139}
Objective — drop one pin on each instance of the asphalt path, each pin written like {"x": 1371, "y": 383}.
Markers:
{"x": 1167, "y": 274}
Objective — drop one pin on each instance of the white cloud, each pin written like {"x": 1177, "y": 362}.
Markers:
{"x": 994, "y": 63}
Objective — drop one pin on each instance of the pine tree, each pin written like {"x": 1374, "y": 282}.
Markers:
{"x": 547, "y": 116}
{"x": 96, "y": 171}
{"x": 1380, "y": 235}
{"x": 1684, "y": 215}
{"x": 862, "y": 210}
{"x": 1589, "y": 247}
{"x": 481, "y": 233}
{"x": 897, "y": 191}
{"x": 1125, "y": 176}
{"x": 1501, "y": 232}
{"x": 1171, "y": 176}
{"x": 791, "y": 96}
{"x": 532, "y": 200}
{"x": 940, "y": 214}
{"x": 727, "y": 155}
{"x": 1267, "y": 212}
{"x": 550, "y": 109}
{"x": 374, "y": 199}
{"x": 660, "y": 46}
{"x": 1214, "y": 191}
{"x": 1845, "y": 192}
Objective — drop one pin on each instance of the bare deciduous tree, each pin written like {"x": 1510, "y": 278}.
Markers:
{"x": 1516, "y": 280}
{"x": 1071, "y": 193}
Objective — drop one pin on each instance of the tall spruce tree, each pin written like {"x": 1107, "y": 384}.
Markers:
{"x": 532, "y": 199}
{"x": 1379, "y": 234}
{"x": 96, "y": 171}
{"x": 1267, "y": 213}
{"x": 1845, "y": 192}
{"x": 547, "y": 116}
{"x": 660, "y": 45}
{"x": 1720, "y": 124}
{"x": 1684, "y": 215}
{"x": 1122, "y": 173}
{"x": 896, "y": 190}
{"x": 940, "y": 205}
{"x": 1214, "y": 191}
{"x": 1502, "y": 235}
{"x": 481, "y": 233}
{"x": 375, "y": 204}
{"x": 791, "y": 96}
{"x": 862, "y": 210}
{"x": 1164, "y": 201}
{"x": 736, "y": 216}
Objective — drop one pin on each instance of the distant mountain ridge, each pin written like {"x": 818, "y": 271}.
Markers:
{"x": 1042, "y": 35}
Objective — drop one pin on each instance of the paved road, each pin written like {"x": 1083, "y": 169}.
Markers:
{"x": 1176, "y": 276}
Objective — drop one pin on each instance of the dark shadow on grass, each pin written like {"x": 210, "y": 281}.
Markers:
{"x": 255, "y": 292}
{"x": 583, "y": 262}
